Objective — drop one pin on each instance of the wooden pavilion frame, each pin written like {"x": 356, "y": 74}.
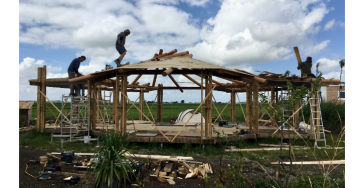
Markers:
{"x": 168, "y": 64}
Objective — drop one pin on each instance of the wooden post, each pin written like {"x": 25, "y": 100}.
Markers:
{"x": 123, "y": 102}
{"x": 202, "y": 123}
{"x": 232, "y": 107}
{"x": 297, "y": 116}
{"x": 209, "y": 107}
{"x": 248, "y": 107}
{"x": 141, "y": 103}
{"x": 114, "y": 104}
{"x": 161, "y": 113}
{"x": 39, "y": 101}
{"x": 256, "y": 108}
{"x": 94, "y": 105}
{"x": 272, "y": 99}
{"x": 117, "y": 103}
{"x": 43, "y": 107}
{"x": 158, "y": 103}
{"x": 206, "y": 111}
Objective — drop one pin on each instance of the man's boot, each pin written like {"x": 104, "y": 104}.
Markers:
{"x": 117, "y": 63}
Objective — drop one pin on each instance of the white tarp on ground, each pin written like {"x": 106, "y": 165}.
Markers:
{"x": 186, "y": 114}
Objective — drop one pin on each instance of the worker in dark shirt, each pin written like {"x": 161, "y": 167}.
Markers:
{"x": 73, "y": 70}
{"x": 306, "y": 67}
{"x": 120, "y": 46}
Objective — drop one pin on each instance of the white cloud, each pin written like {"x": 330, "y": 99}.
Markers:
{"x": 342, "y": 24}
{"x": 247, "y": 32}
{"x": 335, "y": 75}
{"x": 326, "y": 64}
{"x": 196, "y": 2}
{"x": 329, "y": 24}
{"x": 28, "y": 69}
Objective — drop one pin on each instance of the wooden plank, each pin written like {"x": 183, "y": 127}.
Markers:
{"x": 168, "y": 167}
{"x": 312, "y": 162}
{"x": 150, "y": 135}
{"x": 273, "y": 149}
{"x": 171, "y": 182}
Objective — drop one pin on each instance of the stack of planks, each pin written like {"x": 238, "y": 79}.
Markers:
{"x": 167, "y": 171}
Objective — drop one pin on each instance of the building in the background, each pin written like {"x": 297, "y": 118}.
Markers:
{"x": 333, "y": 93}
{"x": 25, "y": 112}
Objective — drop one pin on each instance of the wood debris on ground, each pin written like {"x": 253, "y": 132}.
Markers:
{"x": 27, "y": 128}
{"x": 167, "y": 171}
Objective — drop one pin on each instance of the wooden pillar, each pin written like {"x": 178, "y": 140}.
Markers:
{"x": 44, "y": 91}
{"x": 123, "y": 102}
{"x": 39, "y": 101}
{"x": 277, "y": 97}
{"x": 256, "y": 108}
{"x": 161, "y": 113}
{"x": 114, "y": 104}
{"x": 232, "y": 106}
{"x": 202, "y": 122}
{"x": 206, "y": 110}
{"x": 297, "y": 116}
{"x": 159, "y": 104}
{"x": 117, "y": 97}
{"x": 272, "y": 99}
{"x": 94, "y": 105}
{"x": 209, "y": 104}
{"x": 248, "y": 107}
{"x": 141, "y": 103}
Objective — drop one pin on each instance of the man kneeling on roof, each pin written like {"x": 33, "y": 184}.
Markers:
{"x": 306, "y": 67}
{"x": 120, "y": 46}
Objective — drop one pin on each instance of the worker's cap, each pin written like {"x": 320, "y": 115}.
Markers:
{"x": 127, "y": 31}
{"x": 309, "y": 58}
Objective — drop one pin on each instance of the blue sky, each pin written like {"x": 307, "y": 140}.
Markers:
{"x": 250, "y": 35}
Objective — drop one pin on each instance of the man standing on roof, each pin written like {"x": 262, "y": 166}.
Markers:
{"x": 120, "y": 46}
{"x": 306, "y": 67}
{"x": 73, "y": 70}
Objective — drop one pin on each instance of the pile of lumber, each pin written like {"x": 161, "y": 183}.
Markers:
{"x": 27, "y": 128}
{"x": 167, "y": 171}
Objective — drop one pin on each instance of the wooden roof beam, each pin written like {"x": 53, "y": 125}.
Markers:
{"x": 175, "y": 83}
{"x": 166, "y": 54}
{"x": 254, "y": 78}
{"x": 136, "y": 79}
{"x": 216, "y": 82}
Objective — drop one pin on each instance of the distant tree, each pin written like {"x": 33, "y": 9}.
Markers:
{"x": 182, "y": 101}
{"x": 287, "y": 73}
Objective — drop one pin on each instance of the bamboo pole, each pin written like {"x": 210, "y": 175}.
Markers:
{"x": 193, "y": 113}
{"x": 152, "y": 106}
{"x": 53, "y": 104}
{"x": 145, "y": 116}
{"x": 241, "y": 106}
{"x": 256, "y": 107}
{"x": 248, "y": 108}
{"x": 135, "y": 101}
{"x": 218, "y": 107}
{"x": 51, "y": 112}
{"x": 222, "y": 111}
{"x": 202, "y": 123}
{"x": 232, "y": 106}
{"x": 149, "y": 110}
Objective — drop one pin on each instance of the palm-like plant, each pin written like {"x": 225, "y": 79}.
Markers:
{"x": 287, "y": 73}
{"x": 112, "y": 160}
{"x": 317, "y": 68}
{"x": 342, "y": 65}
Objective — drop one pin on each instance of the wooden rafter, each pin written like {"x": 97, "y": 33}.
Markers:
{"x": 175, "y": 83}
{"x": 194, "y": 81}
{"x": 216, "y": 82}
{"x": 136, "y": 79}
{"x": 155, "y": 78}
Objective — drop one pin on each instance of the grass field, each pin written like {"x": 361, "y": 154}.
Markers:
{"x": 170, "y": 111}
{"x": 330, "y": 111}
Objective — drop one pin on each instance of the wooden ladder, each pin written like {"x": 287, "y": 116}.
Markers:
{"x": 316, "y": 121}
